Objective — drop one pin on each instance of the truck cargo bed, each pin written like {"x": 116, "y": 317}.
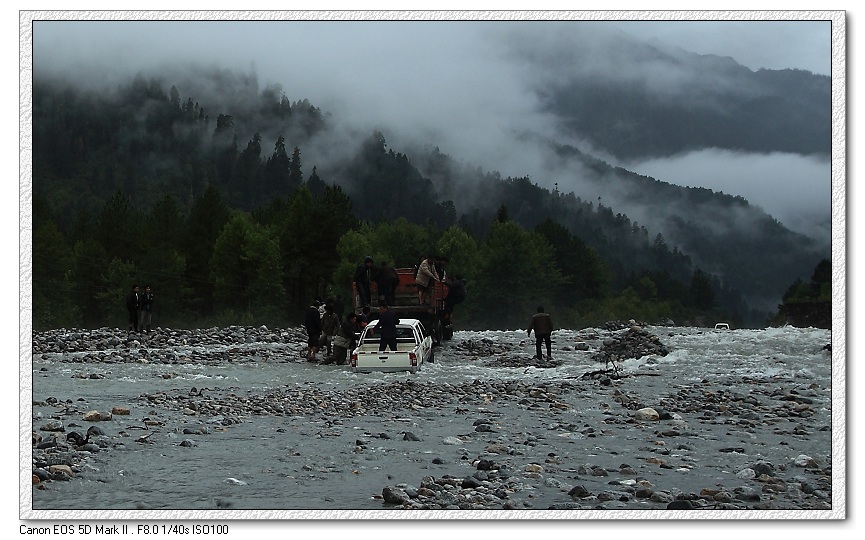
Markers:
{"x": 406, "y": 305}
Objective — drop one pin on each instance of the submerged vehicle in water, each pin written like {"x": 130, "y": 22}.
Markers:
{"x": 414, "y": 347}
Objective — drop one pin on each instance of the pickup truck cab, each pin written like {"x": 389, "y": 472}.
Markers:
{"x": 414, "y": 348}
{"x": 722, "y": 326}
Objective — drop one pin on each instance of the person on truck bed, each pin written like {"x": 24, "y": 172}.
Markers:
{"x": 426, "y": 276}
{"x": 386, "y": 327}
{"x": 440, "y": 264}
{"x": 387, "y": 279}
{"x": 363, "y": 276}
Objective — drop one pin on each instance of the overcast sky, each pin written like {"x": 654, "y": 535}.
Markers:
{"x": 460, "y": 85}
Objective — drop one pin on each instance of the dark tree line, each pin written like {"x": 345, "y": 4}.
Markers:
{"x": 808, "y": 303}
{"x": 217, "y": 265}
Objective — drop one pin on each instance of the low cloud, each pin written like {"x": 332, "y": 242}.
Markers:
{"x": 467, "y": 87}
{"x": 794, "y": 189}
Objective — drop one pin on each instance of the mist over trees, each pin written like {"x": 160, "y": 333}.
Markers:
{"x": 220, "y": 213}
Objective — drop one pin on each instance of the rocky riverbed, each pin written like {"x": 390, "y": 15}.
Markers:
{"x": 617, "y": 436}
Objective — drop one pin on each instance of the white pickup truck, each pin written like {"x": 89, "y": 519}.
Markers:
{"x": 414, "y": 347}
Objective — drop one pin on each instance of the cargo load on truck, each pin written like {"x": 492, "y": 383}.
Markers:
{"x": 405, "y": 303}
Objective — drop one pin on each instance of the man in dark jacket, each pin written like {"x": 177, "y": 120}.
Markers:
{"x": 343, "y": 341}
{"x": 339, "y": 306}
{"x": 542, "y": 324}
{"x": 146, "y": 310}
{"x": 133, "y": 305}
{"x": 363, "y": 276}
{"x": 312, "y": 322}
{"x": 455, "y": 295}
{"x": 329, "y": 326}
{"x": 456, "y": 292}
{"x": 387, "y": 279}
{"x": 386, "y": 326}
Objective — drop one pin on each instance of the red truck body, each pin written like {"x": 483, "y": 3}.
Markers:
{"x": 407, "y": 305}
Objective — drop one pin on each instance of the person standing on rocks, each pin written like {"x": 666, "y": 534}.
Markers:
{"x": 146, "y": 310}
{"x": 133, "y": 305}
{"x": 542, "y": 324}
{"x": 312, "y": 322}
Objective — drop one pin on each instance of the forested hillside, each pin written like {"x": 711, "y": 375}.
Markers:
{"x": 218, "y": 212}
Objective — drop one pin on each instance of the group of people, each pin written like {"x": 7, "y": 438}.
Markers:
{"x": 427, "y": 272}
{"x": 326, "y": 330}
{"x": 139, "y": 305}
{"x": 383, "y": 275}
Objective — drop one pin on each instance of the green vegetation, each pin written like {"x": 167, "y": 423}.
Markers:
{"x": 808, "y": 304}
{"x": 221, "y": 266}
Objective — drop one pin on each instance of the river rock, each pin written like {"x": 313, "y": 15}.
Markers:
{"x": 97, "y": 416}
{"x": 803, "y": 460}
{"x": 647, "y": 414}
{"x": 394, "y": 495}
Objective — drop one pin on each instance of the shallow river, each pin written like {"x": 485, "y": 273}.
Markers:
{"x": 310, "y": 462}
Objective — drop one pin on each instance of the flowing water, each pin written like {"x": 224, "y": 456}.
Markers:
{"x": 288, "y": 462}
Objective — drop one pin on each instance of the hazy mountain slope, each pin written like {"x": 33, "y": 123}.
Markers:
{"x": 633, "y": 99}
{"x": 746, "y": 248}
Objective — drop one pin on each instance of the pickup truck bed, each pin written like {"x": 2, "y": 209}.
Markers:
{"x": 414, "y": 347}
{"x": 372, "y": 344}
